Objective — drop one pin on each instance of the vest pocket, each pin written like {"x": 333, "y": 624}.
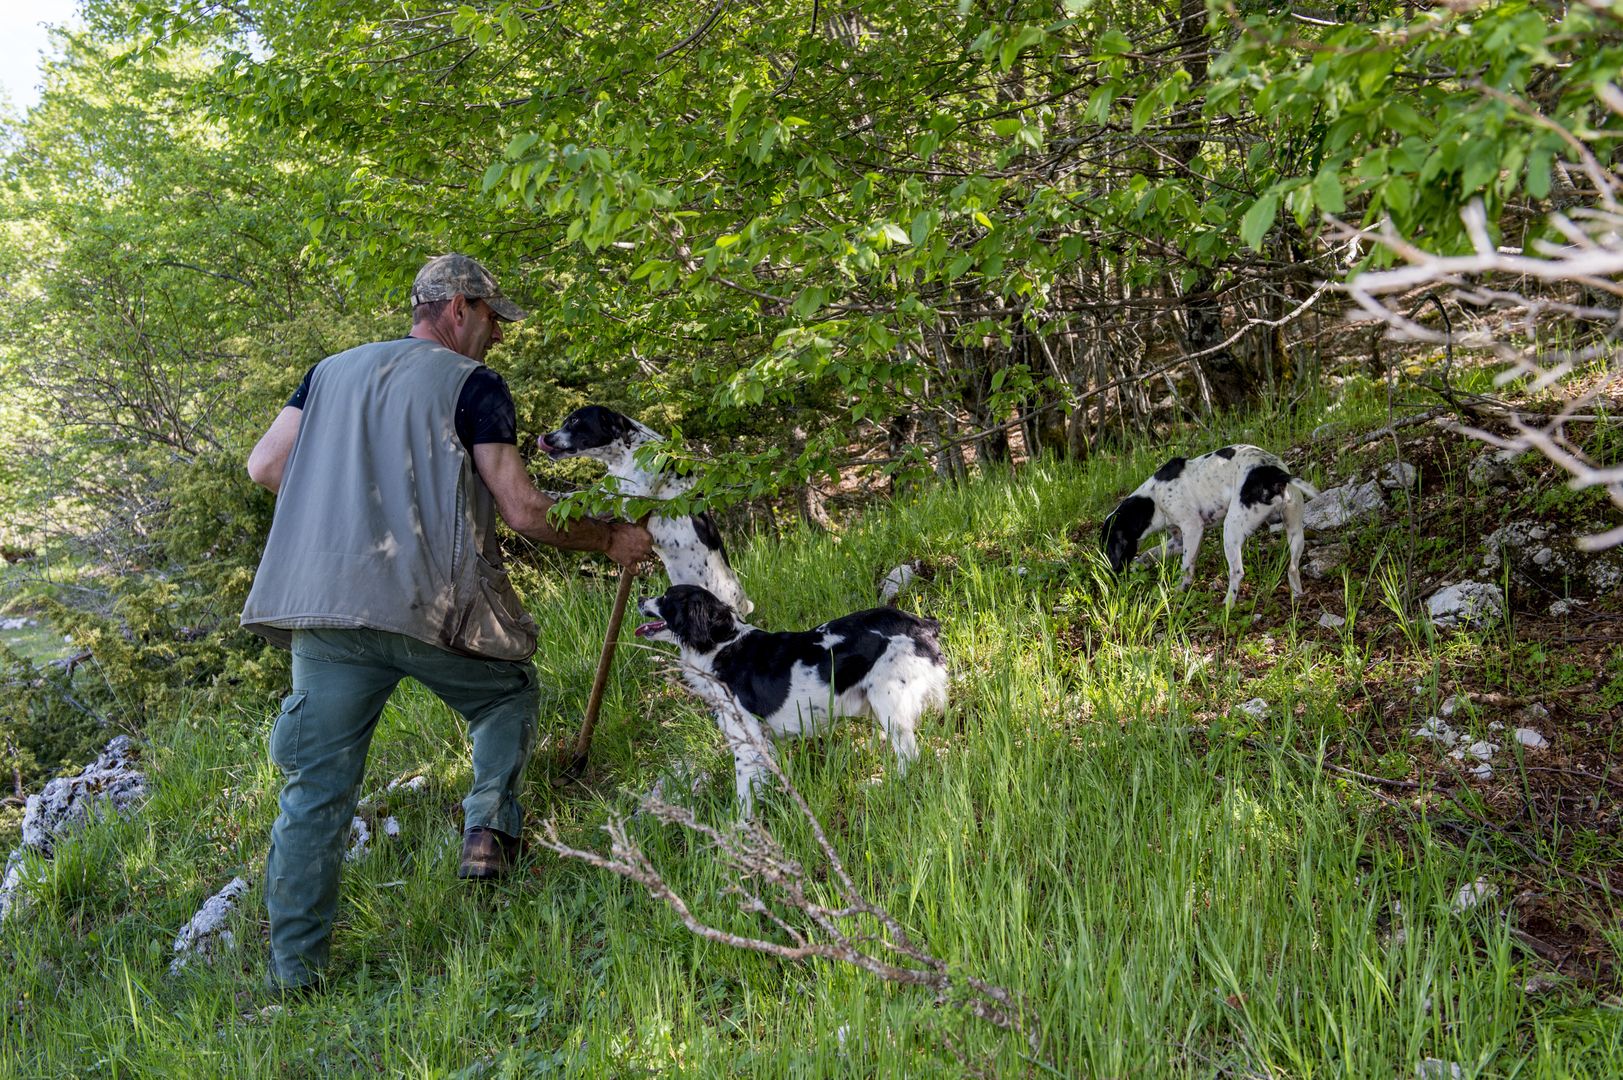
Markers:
{"x": 493, "y": 622}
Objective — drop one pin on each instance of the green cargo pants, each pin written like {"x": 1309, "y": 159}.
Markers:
{"x": 341, "y": 681}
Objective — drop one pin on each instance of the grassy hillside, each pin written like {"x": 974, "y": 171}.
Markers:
{"x": 1172, "y": 886}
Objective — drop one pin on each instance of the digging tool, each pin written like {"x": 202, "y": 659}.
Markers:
{"x": 576, "y": 767}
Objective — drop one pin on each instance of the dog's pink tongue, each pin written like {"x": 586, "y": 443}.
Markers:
{"x": 648, "y": 628}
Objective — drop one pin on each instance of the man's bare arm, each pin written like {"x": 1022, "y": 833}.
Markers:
{"x": 269, "y": 455}
{"x": 524, "y": 507}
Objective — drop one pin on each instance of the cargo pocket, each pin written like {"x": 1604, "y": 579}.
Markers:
{"x": 284, "y": 737}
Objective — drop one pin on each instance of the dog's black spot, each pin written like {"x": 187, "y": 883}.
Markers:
{"x": 1263, "y": 484}
{"x": 697, "y": 618}
{"x": 704, "y": 527}
{"x": 1171, "y": 470}
{"x": 1124, "y": 528}
{"x": 1226, "y": 453}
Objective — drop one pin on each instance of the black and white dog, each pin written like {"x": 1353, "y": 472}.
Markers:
{"x": 690, "y": 547}
{"x": 1245, "y": 486}
{"x": 882, "y": 663}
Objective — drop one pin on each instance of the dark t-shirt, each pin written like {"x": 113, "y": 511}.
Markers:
{"x": 484, "y": 409}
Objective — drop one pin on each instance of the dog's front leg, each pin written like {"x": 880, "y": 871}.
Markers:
{"x": 749, "y": 747}
{"x": 1171, "y": 544}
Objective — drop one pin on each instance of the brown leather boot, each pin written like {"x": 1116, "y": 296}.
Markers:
{"x": 487, "y": 854}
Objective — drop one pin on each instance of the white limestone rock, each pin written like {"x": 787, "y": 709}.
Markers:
{"x": 1511, "y": 539}
{"x": 360, "y": 839}
{"x": 896, "y": 582}
{"x": 1544, "y": 553}
{"x": 1323, "y": 560}
{"x": 1332, "y": 622}
{"x": 1473, "y": 895}
{"x": 1255, "y": 708}
{"x": 206, "y": 935}
{"x": 1531, "y": 739}
{"x": 108, "y": 785}
{"x": 1438, "y": 1069}
{"x": 12, "y": 901}
{"x": 1492, "y": 468}
{"x": 1397, "y": 476}
{"x": 1465, "y": 604}
{"x": 1435, "y": 730}
{"x": 1342, "y": 506}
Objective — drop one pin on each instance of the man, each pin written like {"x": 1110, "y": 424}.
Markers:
{"x": 382, "y": 563}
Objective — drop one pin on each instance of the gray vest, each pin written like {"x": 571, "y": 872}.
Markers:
{"x": 382, "y": 520}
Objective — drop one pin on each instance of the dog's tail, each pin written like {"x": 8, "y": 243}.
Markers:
{"x": 1304, "y": 487}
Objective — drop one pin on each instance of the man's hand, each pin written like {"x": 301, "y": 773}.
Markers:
{"x": 629, "y": 545}
{"x": 525, "y": 509}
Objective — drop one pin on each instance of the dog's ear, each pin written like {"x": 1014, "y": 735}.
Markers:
{"x": 1124, "y": 528}
{"x": 621, "y": 426}
{"x": 697, "y": 618}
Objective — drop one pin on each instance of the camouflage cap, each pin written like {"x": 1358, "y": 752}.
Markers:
{"x": 445, "y": 276}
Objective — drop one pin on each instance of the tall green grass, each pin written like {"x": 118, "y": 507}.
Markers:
{"x": 1174, "y": 888}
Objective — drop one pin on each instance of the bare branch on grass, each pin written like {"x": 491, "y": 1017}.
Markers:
{"x": 774, "y": 886}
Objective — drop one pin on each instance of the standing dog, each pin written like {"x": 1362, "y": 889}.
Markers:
{"x": 1244, "y": 485}
{"x": 882, "y": 663}
{"x": 690, "y": 547}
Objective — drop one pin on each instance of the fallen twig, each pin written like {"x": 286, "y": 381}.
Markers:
{"x": 771, "y": 884}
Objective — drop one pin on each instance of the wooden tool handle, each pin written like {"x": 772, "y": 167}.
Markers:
{"x": 593, "y": 703}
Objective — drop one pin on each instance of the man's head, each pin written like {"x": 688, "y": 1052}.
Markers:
{"x": 458, "y": 303}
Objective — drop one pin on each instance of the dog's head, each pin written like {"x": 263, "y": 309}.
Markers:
{"x": 596, "y": 432}
{"x": 689, "y": 616}
{"x": 1123, "y": 529}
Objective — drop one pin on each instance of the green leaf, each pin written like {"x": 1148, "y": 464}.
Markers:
{"x": 1540, "y": 167}
{"x": 1143, "y": 109}
{"x": 520, "y": 143}
{"x": 1481, "y": 166}
{"x": 921, "y": 227}
{"x": 1258, "y": 220}
{"x": 1396, "y": 195}
{"x": 1327, "y": 192}
{"x": 1113, "y": 43}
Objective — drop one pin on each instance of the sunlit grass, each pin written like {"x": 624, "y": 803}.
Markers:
{"x": 1173, "y": 886}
